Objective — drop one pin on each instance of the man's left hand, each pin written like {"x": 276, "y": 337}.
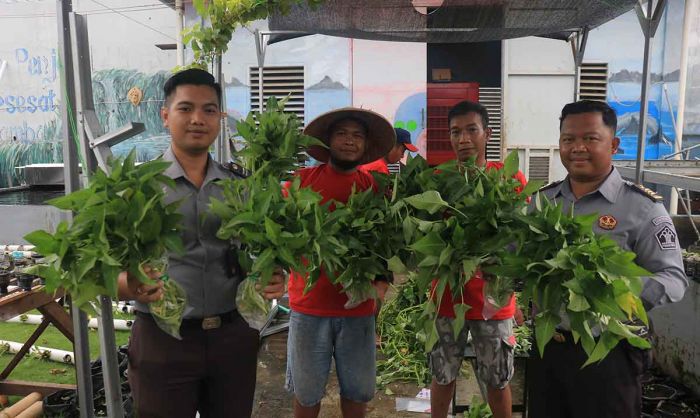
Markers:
{"x": 276, "y": 287}
{"x": 381, "y": 287}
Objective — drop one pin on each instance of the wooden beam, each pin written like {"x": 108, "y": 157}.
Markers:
{"x": 23, "y": 388}
{"x": 58, "y": 316}
{"x": 18, "y": 303}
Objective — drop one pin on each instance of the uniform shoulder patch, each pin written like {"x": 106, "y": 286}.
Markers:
{"x": 550, "y": 185}
{"x": 666, "y": 238}
{"x": 645, "y": 191}
{"x": 237, "y": 169}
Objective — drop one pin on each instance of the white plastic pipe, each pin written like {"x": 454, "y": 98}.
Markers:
{"x": 119, "y": 324}
{"x": 690, "y": 12}
{"x": 53, "y": 354}
{"x": 26, "y": 319}
{"x": 179, "y": 23}
{"x": 123, "y": 307}
{"x": 16, "y": 247}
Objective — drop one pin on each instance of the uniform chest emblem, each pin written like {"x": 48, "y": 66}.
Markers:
{"x": 607, "y": 222}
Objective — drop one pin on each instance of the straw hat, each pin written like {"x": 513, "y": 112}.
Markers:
{"x": 380, "y": 134}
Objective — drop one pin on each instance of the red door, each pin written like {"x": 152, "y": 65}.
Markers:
{"x": 441, "y": 97}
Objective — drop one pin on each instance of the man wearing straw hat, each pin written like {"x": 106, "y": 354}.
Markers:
{"x": 322, "y": 326}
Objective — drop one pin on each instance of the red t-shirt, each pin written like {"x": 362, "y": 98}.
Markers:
{"x": 377, "y": 165}
{"x": 325, "y": 298}
{"x": 473, "y": 294}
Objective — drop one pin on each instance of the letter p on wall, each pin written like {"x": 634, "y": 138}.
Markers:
{"x": 21, "y": 55}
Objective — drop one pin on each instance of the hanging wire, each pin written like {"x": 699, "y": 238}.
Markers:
{"x": 128, "y": 9}
{"x": 134, "y": 20}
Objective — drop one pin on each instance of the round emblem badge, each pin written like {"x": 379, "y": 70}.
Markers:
{"x": 607, "y": 222}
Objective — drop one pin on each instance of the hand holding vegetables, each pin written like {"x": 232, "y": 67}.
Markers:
{"x": 275, "y": 287}
{"x": 131, "y": 288}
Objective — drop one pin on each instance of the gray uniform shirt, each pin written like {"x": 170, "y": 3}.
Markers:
{"x": 206, "y": 270}
{"x": 641, "y": 225}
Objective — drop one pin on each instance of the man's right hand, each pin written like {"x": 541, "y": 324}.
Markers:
{"x": 131, "y": 288}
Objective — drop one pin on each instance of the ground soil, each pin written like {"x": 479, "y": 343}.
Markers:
{"x": 273, "y": 401}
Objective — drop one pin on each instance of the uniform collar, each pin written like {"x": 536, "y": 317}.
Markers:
{"x": 609, "y": 189}
{"x": 175, "y": 171}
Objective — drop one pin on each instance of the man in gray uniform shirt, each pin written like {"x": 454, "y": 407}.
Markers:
{"x": 212, "y": 369}
{"x": 634, "y": 217}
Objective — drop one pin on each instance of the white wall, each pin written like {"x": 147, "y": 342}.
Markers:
{"x": 538, "y": 80}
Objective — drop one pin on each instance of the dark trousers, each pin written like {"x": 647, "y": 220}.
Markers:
{"x": 559, "y": 388}
{"x": 210, "y": 371}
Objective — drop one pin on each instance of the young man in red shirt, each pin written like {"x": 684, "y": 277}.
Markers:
{"x": 403, "y": 144}
{"x": 492, "y": 338}
{"x": 321, "y": 326}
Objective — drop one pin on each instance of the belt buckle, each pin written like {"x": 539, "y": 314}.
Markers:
{"x": 211, "y": 322}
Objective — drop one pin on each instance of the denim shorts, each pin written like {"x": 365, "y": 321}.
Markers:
{"x": 314, "y": 341}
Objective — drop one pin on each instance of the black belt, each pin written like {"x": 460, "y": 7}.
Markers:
{"x": 209, "y": 322}
{"x": 563, "y": 336}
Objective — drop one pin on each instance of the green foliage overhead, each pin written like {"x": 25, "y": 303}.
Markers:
{"x": 224, "y": 17}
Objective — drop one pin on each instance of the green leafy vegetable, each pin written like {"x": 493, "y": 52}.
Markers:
{"x": 121, "y": 223}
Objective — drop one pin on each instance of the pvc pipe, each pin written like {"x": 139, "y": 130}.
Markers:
{"x": 26, "y": 319}
{"x": 119, "y": 324}
{"x": 123, "y": 307}
{"x": 690, "y": 12}
{"x": 36, "y": 410}
{"x": 16, "y": 247}
{"x": 179, "y": 18}
{"x": 53, "y": 354}
{"x": 21, "y": 405}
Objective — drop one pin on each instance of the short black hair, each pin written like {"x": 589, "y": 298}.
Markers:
{"x": 192, "y": 76}
{"x": 359, "y": 121}
{"x": 591, "y": 106}
{"x": 467, "y": 106}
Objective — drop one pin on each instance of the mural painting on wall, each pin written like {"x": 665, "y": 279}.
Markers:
{"x": 624, "y": 96}
{"x": 30, "y": 128}
{"x": 625, "y": 78}
{"x": 29, "y": 123}
{"x": 110, "y": 90}
{"x": 411, "y": 116}
{"x": 319, "y": 98}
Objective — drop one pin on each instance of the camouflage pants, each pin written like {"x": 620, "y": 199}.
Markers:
{"x": 493, "y": 343}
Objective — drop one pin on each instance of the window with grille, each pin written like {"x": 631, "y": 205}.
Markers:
{"x": 279, "y": 82}
{"x": 490, "y": 97}
{"x": 593, "y": 81}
